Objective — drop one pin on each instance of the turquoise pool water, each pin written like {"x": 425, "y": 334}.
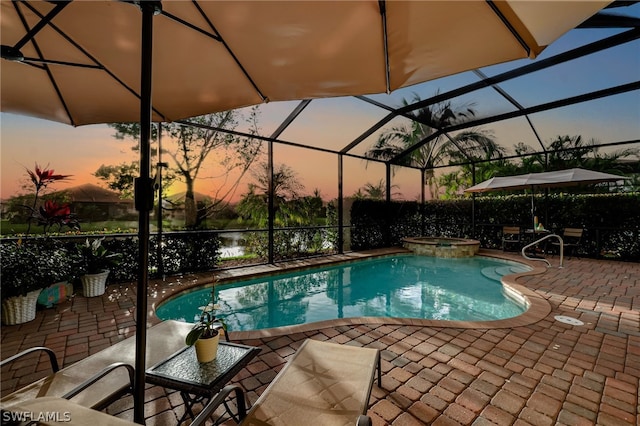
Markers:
{"x": 405, "y": 286}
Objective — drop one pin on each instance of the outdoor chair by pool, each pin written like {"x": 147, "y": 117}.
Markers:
{"x": 109, "y": 368}
{"x": 510, "y": 236}
{"x": 58, "y": 380}
{"x": 52, "y": 411}
{"x": 571, "y": 238}
{"x": 323, "y": 383}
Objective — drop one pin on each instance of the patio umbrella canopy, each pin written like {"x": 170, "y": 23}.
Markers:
{"x": 559, "y": 178}
{"x": 220, "y": 55}
{"x": 555, "y": 179}
{"x": 101, "y": 62}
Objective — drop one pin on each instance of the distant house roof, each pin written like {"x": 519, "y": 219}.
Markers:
{"x": 90, "y": 193}
{"x": 179, "y": 198}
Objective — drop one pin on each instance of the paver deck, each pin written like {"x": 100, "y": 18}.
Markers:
{"x": 539, "y": 372}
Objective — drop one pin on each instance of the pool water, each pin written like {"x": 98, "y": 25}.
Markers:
{"x": 403, "y": 286}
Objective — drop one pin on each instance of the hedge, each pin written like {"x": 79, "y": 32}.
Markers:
{"x": 611, "y": 221}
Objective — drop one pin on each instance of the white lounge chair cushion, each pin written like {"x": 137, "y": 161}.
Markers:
{"x": 324, "y": 383}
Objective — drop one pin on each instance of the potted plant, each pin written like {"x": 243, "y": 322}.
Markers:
{"x": 95, "y": 261}
{"x": 205, "y": 333}
{"x": 27, "y": 268}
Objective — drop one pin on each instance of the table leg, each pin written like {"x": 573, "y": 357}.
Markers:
{"x": 189, "y": 401}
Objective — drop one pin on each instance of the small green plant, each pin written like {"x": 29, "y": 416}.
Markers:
{"x": 208, "y": 324}
{"x": 95, "y": 258}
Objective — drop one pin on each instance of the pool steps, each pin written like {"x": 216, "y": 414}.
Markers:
{"x": 497, "y": 272}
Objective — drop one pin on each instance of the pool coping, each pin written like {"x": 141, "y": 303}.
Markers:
{"x": 538, "y": 307}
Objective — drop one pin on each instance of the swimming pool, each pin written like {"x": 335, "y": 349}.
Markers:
{"x": 402, "y": 286}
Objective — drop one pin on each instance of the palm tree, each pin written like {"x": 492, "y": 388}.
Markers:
{"x": 572, "y": 151}
{"x": 428, "y": 121}
{"x": 478, "y": 145}
{"x": 372, "y": 191}
{"x": 565, "y": 152}
{"x": 286, "y": 190}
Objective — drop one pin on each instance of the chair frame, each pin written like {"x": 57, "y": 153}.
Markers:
{"x": 226, "y": 393}
{"x": 163, "y": 339}
{"x": 52, "y": 357}
{"x": 574, "y": 236}
{"x": 511, "y": 235}
{"x": 87, "y": 383}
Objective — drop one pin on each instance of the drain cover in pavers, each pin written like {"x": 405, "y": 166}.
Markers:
{"x": 568, "y": 320}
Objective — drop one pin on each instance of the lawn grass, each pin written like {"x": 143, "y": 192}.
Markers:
{"x": 8, "y": 229}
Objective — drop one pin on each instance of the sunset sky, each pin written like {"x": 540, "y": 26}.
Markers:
{"x": 334, "y": 123}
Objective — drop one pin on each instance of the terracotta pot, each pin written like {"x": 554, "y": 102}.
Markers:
{"x": 207, "y": 349}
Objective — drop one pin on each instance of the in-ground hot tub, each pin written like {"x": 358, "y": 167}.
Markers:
{"x": 442, "y": 246}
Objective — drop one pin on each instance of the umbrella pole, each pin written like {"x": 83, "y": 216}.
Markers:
{"x": 473, "y": 201}
{"x": 144, "y": 205}
{"x": 422, "y": 202}
{"x": 533, "y": 212}
{"x": 158, "y": 183}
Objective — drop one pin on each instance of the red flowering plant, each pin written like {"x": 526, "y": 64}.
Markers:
{"x": 50, "y": 213}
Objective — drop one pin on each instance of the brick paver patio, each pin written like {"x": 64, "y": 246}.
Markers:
{"x": 543, "y": 373}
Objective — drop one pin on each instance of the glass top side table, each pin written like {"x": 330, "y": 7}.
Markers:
{"x": 182, "y": 372}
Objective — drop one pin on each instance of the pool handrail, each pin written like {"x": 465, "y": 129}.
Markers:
{"x": 546, "y": 237}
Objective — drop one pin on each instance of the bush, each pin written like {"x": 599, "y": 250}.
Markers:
{"x": 127, "y": 269}
{"x": 38, "y": 262}
{"x": 611, "y": 221}
{"x": 96, "y": 258}
{"x": 34, "y": 264}
{"x": 290, "y": 243}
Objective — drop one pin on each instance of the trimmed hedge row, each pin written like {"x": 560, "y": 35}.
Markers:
{"x": 611, "y": 221}
{"x": 181, "y": 253}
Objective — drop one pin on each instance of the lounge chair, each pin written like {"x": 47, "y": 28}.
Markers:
{"x": 112, "y": 365}
{"x": 323, "y": 383}
{"x": 52, "y": 411}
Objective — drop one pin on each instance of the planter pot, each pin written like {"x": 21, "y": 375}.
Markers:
{"x": 94, "y": 284}
{"x": 207, "y": 349}
{"x": 20, "y": 309}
